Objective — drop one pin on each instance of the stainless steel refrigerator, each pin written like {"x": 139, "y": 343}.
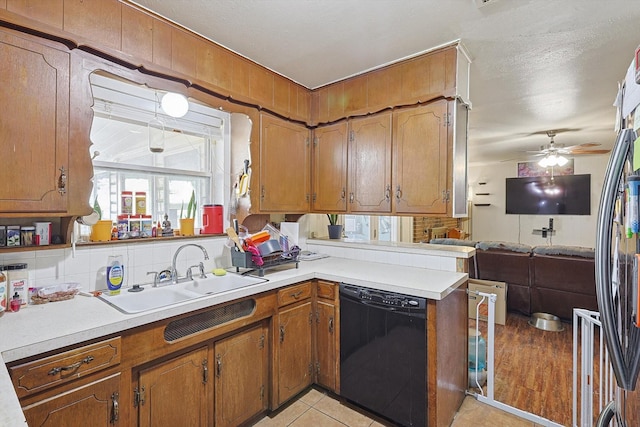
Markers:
{"x": 617, "y": 246}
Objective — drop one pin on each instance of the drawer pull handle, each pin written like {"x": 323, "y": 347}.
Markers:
{"x": 296, "y": 295}
{"x": 331, "y": 325}
{"x": 71, "y": 367}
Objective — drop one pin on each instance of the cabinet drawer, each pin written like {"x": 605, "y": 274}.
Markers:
{"x": 294, "y": 293}
{"x": 326, "y": 290}
{"x": 61, "y": 368}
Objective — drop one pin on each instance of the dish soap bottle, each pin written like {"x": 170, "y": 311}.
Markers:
{"x": 115, "y": 274}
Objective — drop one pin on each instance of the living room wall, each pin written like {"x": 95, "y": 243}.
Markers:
{"x": 491, "y": 222}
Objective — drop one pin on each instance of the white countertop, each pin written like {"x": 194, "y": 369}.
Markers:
{"x": 40, "y": 328}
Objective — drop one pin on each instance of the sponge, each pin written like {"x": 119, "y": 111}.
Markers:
{"x": 219, "y": 271}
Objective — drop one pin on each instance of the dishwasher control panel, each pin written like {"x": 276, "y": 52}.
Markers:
{"x": 381, "y": 297}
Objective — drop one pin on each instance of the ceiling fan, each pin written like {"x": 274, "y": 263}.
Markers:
{"x": 554, "y": 155}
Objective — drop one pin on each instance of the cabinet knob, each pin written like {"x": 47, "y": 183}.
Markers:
{"x": 387, "y": 193}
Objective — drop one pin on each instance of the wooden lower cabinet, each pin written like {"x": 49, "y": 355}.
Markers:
{"x": 241, "y": 375}
{"x": 294, "y": 356}
{"x": 175, "y": 392}
{"x": 326, "y": 362}
{"x": 95, "y": 404}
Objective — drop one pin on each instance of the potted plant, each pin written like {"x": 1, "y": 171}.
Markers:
{"x": 335, "y": 229}
{"x": 186, "y": 222}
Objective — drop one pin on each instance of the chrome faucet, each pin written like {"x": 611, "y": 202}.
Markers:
{"x": 174, "y": 271}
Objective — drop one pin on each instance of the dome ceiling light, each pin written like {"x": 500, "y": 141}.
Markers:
{"x": 175, "y": 104}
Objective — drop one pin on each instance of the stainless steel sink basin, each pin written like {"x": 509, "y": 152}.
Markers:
{"x": 151, "y": 298}
{"x": 216, "y": 284}
{"x": 148, "y": 299}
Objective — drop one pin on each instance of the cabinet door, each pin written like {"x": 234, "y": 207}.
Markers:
{"x": 284, "y": 166}
{"x": 34, "y": 136}
{"x": 294, "y": 351}
{"x": 370, "y": 164}
{"x": 420, "y": 159}
{"x": 241, "y": 363}
{"x": 330, "y": 168}
{"x": 175, "y": 393}
{"x": 94, "y": 404}
{"x": 326, "y": 344}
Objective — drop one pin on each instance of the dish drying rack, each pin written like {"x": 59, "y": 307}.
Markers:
{"x": 243, "y": 260}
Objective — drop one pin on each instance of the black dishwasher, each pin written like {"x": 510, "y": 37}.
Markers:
{"x": 383, "y": 353}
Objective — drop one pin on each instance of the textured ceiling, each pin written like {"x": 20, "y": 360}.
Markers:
{"x": 537, "y": 64}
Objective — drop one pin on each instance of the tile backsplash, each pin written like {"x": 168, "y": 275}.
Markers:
{"x": 87, "y": 264}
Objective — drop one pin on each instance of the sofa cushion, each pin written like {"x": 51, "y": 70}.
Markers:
{"x": 507, "y": 246}
{"x": 578, "y": 251}
{"x": 455, "y": 242}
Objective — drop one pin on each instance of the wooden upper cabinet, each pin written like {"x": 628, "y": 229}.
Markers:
{"x": 282, "y": 95}
{"x": 370, "y": 164}
{"x": 48, "y": 12}
{"x": 214, "y": 65}
{"x": 321, "y": 104}
{"x": 383, "y": 89}
{"x": 96, "y": 20}
{"x": 34, "y": 139}
{"x": 162, "y": 43}
{"x": 261, "y": 85}
{"x": 330, "y": 168}
{"x": 303, "y": 104}
{"x": 335, "y": 101}
{"x": 355, "y": 95}
{"x": 420, "y": 159}
{"x": 429, "y": 76}
{"x": 284, "y": 166}
{"x": 183, "y": 52}
{"x": 137, "y": 33}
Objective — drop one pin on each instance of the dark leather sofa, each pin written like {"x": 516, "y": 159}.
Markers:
{"x": 509, "y": 263}
{"x": 545, "y": 279}
{"x": 562, "y": 277}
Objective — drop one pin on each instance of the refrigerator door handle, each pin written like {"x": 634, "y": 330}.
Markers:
{"x": 621, "y": 336}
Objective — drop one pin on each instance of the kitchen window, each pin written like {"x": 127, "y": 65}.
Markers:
{"x": 127, "y": 126}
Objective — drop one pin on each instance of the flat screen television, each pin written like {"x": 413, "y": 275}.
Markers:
{"x": 545, "y": 195}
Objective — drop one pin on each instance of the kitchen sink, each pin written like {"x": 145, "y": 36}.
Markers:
{"x": 216, "y": 284}
{"x": 151, "y": 298}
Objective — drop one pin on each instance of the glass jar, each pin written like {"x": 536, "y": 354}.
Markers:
{"x": 18, "y": 279}
{"x": 141, "y": 203}
{"x": 27, "y": 234}
{"x": 126, "y": 203}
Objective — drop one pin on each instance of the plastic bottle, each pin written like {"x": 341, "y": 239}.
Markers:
{"x": 481, "y": 361}
{"x": 115, "y": 274}
{"x": 15, "y": 303}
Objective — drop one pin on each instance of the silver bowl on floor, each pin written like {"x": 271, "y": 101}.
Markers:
{"x": 546, "y": 322}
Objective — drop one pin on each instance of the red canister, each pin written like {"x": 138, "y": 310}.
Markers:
{"x": 211, "y": 219}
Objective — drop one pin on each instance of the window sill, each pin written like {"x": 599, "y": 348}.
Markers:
{"x": 145, "y": 240}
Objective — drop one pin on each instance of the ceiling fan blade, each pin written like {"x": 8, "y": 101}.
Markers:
{"x": 581, "y": 152}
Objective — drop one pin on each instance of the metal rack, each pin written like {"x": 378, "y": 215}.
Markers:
{"x": 243, "y": 260}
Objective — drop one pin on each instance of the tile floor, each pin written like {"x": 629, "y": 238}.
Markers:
{"x": 316, "y": 408}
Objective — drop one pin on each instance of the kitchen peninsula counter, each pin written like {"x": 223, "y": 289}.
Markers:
{"x": 38, "y": 329}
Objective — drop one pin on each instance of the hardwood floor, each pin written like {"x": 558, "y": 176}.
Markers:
{"x": 533, "y": 368}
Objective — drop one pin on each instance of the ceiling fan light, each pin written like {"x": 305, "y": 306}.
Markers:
{"x": 562, "y": 160}
{"x": 544, "y": 162}
{"x": 175, "y": 104}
